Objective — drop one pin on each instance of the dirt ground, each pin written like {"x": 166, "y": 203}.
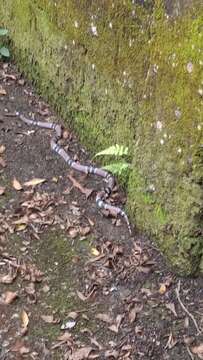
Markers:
{"x": 73, "y": 283}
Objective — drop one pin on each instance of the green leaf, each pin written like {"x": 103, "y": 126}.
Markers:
{"x": 4, "y": 52}
{"x": 3, "y": 32}
{"x": 115, "y": 150}
{"x": 117, "y": 168}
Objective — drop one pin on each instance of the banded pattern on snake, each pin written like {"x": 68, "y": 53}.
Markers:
{"x": 101, "y": 196}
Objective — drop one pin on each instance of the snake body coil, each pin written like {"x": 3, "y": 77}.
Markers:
{"x": 108, "y": 177}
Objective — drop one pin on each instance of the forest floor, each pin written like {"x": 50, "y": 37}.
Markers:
{"x": 73, "y": 283}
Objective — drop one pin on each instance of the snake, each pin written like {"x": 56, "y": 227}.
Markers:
{"x": 109, "y": 179}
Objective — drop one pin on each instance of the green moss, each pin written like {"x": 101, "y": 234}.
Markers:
{"x": 137, "y": 83}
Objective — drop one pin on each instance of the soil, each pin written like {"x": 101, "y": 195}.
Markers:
{"x": 64, "y": 263}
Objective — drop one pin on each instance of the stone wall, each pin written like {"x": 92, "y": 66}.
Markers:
{"x": 128, "y": 72}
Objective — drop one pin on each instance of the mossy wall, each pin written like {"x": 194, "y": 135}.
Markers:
{"x": 128, "y": 72}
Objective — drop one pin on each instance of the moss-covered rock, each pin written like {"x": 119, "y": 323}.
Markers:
{"x": 128, "y": 72}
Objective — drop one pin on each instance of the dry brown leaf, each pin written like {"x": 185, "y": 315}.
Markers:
{"x": 2, "y": 149}
{"x": 2, "y": 91}
{"x": 111, "y": 354}
{"x": 72, "y": 232}
{"x": 34, "y": 182}
{"x": 133, "y": 313}
{"x": 87, "y": 192}
{"x": 73, "y": 315}
{"x": 8, "y": 278}
{"x": 81, "y": 354}
{"x": 20, "y": 347}
{"x": 116, "y": 325}
{"x": 8, "y": 297}
{"x": 81, "y": 296}
{"x": 85, "y": 230}
{"x": 24, "y": 319}
{"x": 16, "y": 184}
{"x": 2, "y": 190}
{"x": 65, "y": 337}
{"x": 105, "y": 317}
{"x": 2, "y": 162}
{"x": 198, "y": 350}
{"x": 49, "y": 319}
{"x": 30, "y": 289}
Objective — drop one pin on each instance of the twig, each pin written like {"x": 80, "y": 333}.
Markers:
{"x": 185, "y": 309}
{"x": 189, "y": 352}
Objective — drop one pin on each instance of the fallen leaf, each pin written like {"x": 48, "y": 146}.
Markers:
{"x": 81, "y": 354}
{"x": 87, "y": 192}
{"x": 111, "y": 354}
{"x": 2, "y": 162}
{"x": 81, "y": 296}
{"x": 16, "y": 184}
{"x": 2, "y": 190}
{"x": 8, "y": 278}
{"x": 2, "y": 91}
{"x": 49, "y": 319}
{"x": 24, "y": 319}
{"x": 20, "y": 347}
{"x": 72, "y": 232}
{"x": 115, "y": 327}
{"x": 162, "y": 289}
{"x": 94, "y": 252}
{"x": 21, "y": 227}
{"x": 8, "y": 297}
{"x": 133, "y": 313}
{"x": 2, "y": 149}
{"x": 104, "y": 317}
{"x": 34, "y": 182}
{"x": 65, "y": 337}
{"x": 73, "y": 315}
{"x": 84, "y": 230}
{"x": 198, "y": 350}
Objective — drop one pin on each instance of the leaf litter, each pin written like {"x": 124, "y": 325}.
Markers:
{"x": 122, "y": 283}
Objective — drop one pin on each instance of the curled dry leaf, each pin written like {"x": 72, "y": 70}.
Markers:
{"x": 8, "y": 297}
{"x": 34, "y": 182}
{"x": 16, "y": 184}
{"x": 24, "y": 319}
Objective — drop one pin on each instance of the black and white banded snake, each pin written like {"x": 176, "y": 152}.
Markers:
{"x": 102, "y": 195}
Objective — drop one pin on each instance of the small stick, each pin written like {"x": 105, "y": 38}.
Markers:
{"x": 185, "y": 309}
{"x": 189, "y": 352}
